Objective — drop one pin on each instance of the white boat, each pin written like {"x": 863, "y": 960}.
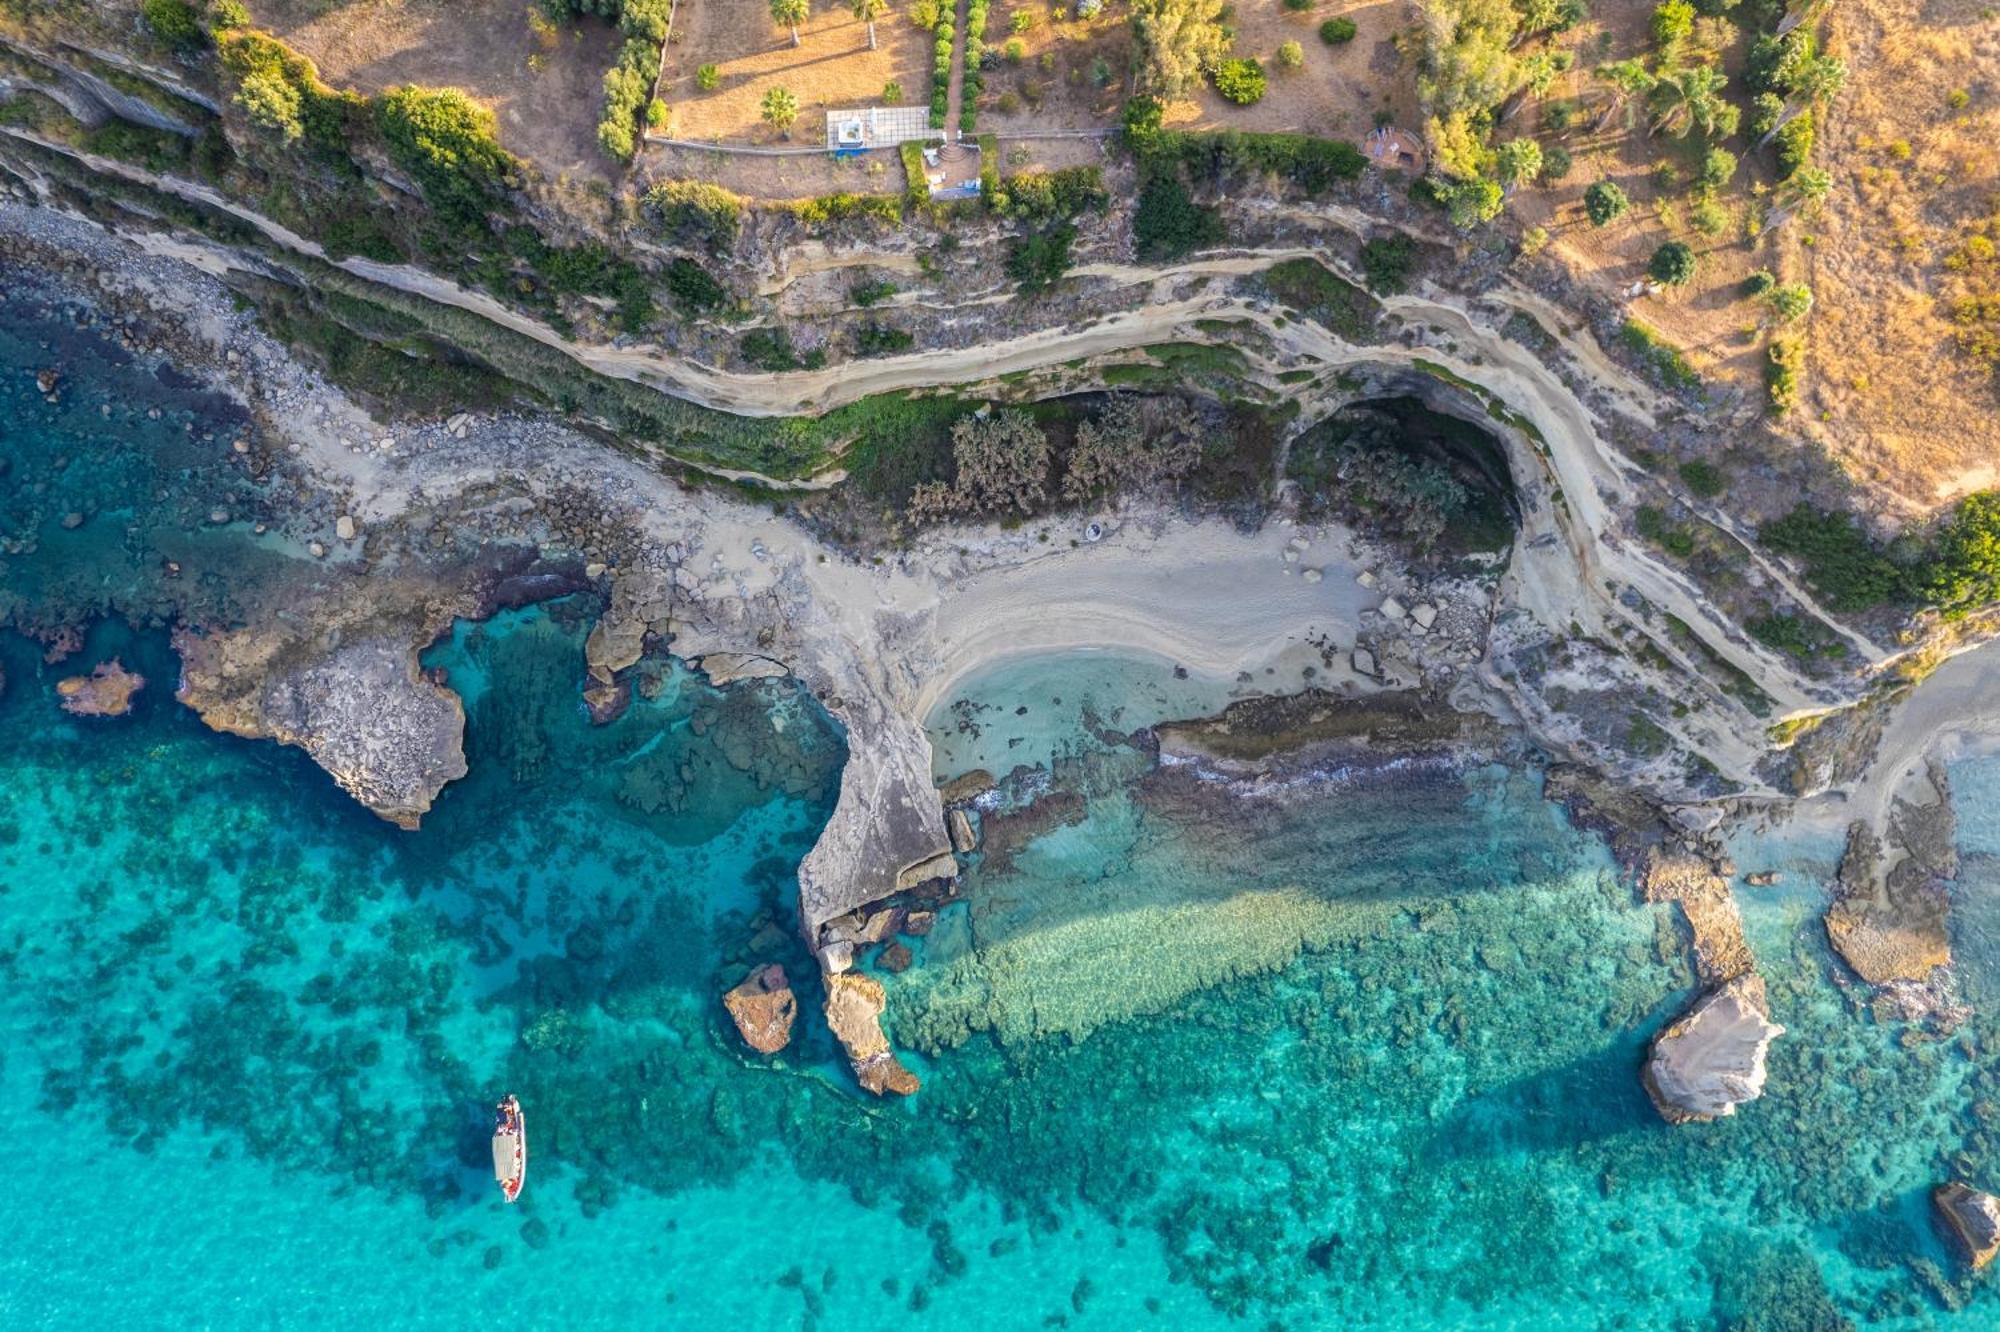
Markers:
{"x": 510, "y": 1148}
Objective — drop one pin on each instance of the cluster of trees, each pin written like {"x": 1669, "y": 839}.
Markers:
{"x": 1003, "y": 462}
{"x": 1956, "y": 570}
{"x": 1476, "y": 60}
{"x": 1184, "y": 43}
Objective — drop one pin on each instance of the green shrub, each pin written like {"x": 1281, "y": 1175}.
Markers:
{"x": 1290, "y": 55}
{"x": 1791, "y": 302}
{"x": 1673, "y": 22}
{"x": 1015, "y": 51}
{"x": 1313, "y": 165}
{"x": 174, "y": 22}
{"x": 1337, "y": 31}
{"x": 865, "y": 294}
{"x": 1661, "y": 357}
{"x": 1299, "y": 6}
{"x": 892, "y": 93}
{"x": 1758, "y": 282}
{"x": 692, "y": 287}
{"x": 1844, "y": 568}
{"x": 708, "y": 78}
{"x": 696, "y": 213}
{"x": 1048, "y": 196}
{"x": 1795, "y": 143}
{"x": 1703, "y": 478}
{"x": 445, "y": 140}
{"x": 1604, "y": 203}
{"x": 1038, "y": 259}
{"x": 1784, "y": 361}
{"x": 1386, "y": 261}
{"x": 1241, "y": 81}
{"x": 1168, "y": 223}
{"x": 1673, "y": 264}
{"x": 656, "y": 113}
{"x": 873, "y": 339}
{"x": 916, "y": 185}
{"x": 1718, "y": 166}
{"x": 1556, "y": 163}
{"x": 224, "y": 15}
{"x": 1963, "y": 572}
{"x": 628, "y": 87}
{"x": 1142, "y": 117}
{"x": 1805, "y": 639}
{"x": 1653, "y": 525}
{"x": 847, "y": 206}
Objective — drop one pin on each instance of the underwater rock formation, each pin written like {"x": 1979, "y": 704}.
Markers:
{"x": 1711, "y": 1059}
{"x": 1293, "y": 732}
{"x": 363, "y": 710}
{"x": 854, "y": 1006}
{"x": 1720, "y": 951}
{"x": 106, "y": 692}
{"x": 1971, "y": 1220}
{"x": 1889, "y": 919}
{"x": 763, "y": 1007}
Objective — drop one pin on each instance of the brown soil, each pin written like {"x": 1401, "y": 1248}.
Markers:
{"x": 547, "y": 99}
{"x": 1902, "y": 408}
{"x": 802, "y": 177}
{"x": 1336, "y": 92}
{"x": 1721, "y": 333}
{"x": 830, "y": 69}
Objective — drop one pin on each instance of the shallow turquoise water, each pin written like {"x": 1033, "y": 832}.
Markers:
{"x": 1362, "y": 1055}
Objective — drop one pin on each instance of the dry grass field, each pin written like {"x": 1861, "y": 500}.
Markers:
{"x": 1895, "y": 399}
{"x": 831, "y": 68}
{"x": 1337, "y": 92}
{"x": 1073, "y": 74}
{"x": 547, "y": 97}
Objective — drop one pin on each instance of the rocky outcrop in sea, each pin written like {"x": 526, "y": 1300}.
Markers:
{"x": 1711, "y": 1059}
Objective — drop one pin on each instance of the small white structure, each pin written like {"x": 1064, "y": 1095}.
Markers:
{"x": 858, "y": 130}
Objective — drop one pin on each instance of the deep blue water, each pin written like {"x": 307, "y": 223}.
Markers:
{"x": 1363, "y": 1056}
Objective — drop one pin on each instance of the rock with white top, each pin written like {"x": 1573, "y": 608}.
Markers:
{"x": 1311, "y": 575}
{"x": 1711, "y": 1059}
{"x": 1425, "y": 615}
{"x": 1392, "y": 609}
{"x": 344, "y": 527}
{"x": 1364, "y": 662}
{"x": 1366, "y": 578}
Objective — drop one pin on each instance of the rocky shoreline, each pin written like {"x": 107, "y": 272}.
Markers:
{"x": 393, "y": 535}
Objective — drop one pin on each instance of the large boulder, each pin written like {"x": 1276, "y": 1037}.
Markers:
{"x": 361, "y": 707}
{"x": 1970, "y": 1219}
{"x": 1711, "y": 1059}
{"x": 763, "y": 1007}
{"x": 854, "y": 1006}
{"x": 106, "y": 692}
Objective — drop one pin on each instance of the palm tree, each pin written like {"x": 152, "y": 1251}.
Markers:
{"x": 1691, "y": 98}
{"x": 868, "y": 11}
{"x": 790, "y": 13}
{"x": 1805, "y": 188}
{"x": 781, "y": 109}
{"x": 1628, "y": 78}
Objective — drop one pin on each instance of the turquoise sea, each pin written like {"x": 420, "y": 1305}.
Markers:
{"x": 1361, "y": 1052}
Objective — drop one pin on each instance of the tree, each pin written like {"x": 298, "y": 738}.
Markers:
{"x": 868, "y": 11}
{"x": 1805, "y": 188}
{"x": 791, "y": 13}
{"x": 1673, "y": 23}
{"x": 1466, "y": 61}
{"x": 1791, "y": 302}
{"x": 1519, "y": 160}
{"x": 1964, "y": 572}
{"x": 781, "y": 109}
{"x": 1672, "y": 264}
{"x": 1178, "y": 40}
{"x": 1605, "y": 203}
{"x": 1817, "y": 79}
{"x": 1718, "y": 165}
{"x": 1691, "y": 98}
{"x": 1002, "y": 463}
{"x": 1121, "y": 450}
{"x": 1628, "y": 79}
{"x": 1470, "y": 202}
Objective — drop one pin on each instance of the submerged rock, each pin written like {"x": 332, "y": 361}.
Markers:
{"x": 106, "y": 692}
{"x": 1711, "y": 1059}
{"x": 964, "y": 837}
{"x": 854, "y": 1006}
{"x": 763, "y": 1007}
{"x": 1890, "y": 917}
{"x": 1970, "y": 1219}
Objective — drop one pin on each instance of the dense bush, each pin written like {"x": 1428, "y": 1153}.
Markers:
{"x": 874, "y": 292}
{"x": 1673, "y": 264}
{"x": 628, "y": 87}
{"x": 771, "y": 349}
{"x": 1604, "y": 202}
{"x": 1386, "y": 261}
{"x": 1047, "y": 196}
{"x": 1168, "y": 223}
{"x": 846, "y": 206}
{"x": 1241, "y": 81}
{"x": 445, "y": 140}
{"x": 1313, "y": 165}
{"x": 1337, "y": 31}
{"x": 1556, "y": 162}
{"x": 1290, "y": 55}
{"x": 174, "y": 22}
{"x": 1795, "y": 143}
{"x": 1784, "y": 360}
{"x": 693, "y": 288}
{"x": 696, "y": 213}
{"x": 1791, "y": 302}
{"x": 1038, "y": 259}
{"x": 1702, "y": 478}
{"x": 1844, "y": 568}
{"x": 1963, "y": 572}
{"x": 874, "y": 339}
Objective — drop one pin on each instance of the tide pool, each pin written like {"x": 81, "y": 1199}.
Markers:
{"x": 1361, "y": 1053}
